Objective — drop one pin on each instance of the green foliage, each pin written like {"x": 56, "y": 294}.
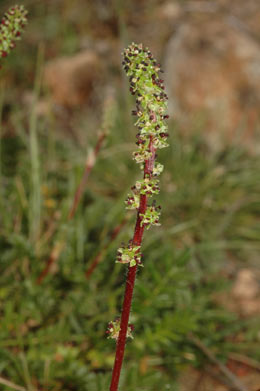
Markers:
{"x": 54, "y": 335}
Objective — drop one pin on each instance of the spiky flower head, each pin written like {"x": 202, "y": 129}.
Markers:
{"x": 151, "y": 105}
{"x": 129, "y": 254}
{"x": 114, "y": 329}
{"x": 151, "y": 216}
{"x": 151, "y": 99}
{"x": 11, "y": 27}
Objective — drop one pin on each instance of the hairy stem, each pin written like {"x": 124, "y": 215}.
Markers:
{"x": 130, "y": 281}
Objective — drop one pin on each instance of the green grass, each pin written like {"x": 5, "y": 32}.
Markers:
{"x": 53, "y": 335}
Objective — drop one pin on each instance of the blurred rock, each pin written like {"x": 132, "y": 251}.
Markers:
{"x": 246, "y": 286}
{"x": 212, "y": 71}
{"x": 246, "y": 292}
{"x": 71, "y": 80}
{"x": 168, "y": 10}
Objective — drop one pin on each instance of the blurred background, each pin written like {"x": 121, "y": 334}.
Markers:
{"x": 65, "y": 111}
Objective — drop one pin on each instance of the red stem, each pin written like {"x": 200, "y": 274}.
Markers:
{"x": 46, "y": 270}
{"x": 51, "y": 260}
{"x": 100, "y": 255}
{"x": 91, "y": 160}
{"x": 88, "y": 168}
{"x": 130, "y": 281}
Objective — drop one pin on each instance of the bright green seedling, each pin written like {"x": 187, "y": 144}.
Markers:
{"x": 151, "y": 105}
{"x": 11, "y": 27}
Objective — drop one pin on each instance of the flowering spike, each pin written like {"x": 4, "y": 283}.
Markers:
{"x": 151, "y": 104}
{"x": 11, "y": 26}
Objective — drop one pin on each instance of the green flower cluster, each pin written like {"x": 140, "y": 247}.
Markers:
{"x": 151, "y": 104}
{"x": 151, "y": 216}
{"x": 151, "y": 100}
{"x": 11, "y": 27}
{"x": 114, "y": 329}
{"x": 129, "y": 254}
{"x": 133, "y": 201}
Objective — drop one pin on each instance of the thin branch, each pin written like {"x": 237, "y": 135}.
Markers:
{"x": 248, "y": 361}
{"x": 58, "y": 246}
{"x": 55, "y": 253}
{"x": 12, "y": 385}
{"x": 96, "y": 261}
{"x": 236, "y": 383}
{"x": 91, "y": 160}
